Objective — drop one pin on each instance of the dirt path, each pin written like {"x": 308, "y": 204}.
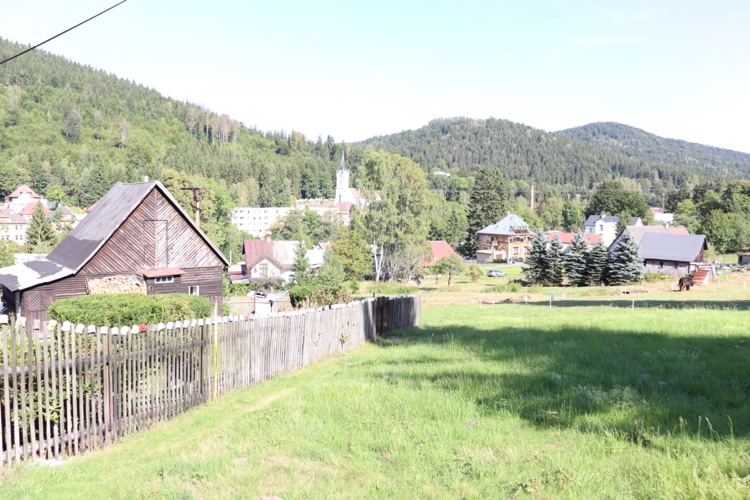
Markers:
{"x": 270, "y": 399}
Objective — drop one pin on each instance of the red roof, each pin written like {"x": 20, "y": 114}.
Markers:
{"x": 163, "y": 271}
{"x": 344, "y": 207}
{"x": 24, "y": 189}
{"x": 567, "y": 238}
{"x": 257, "y": 250}
{"x": 677, "y": 230}
{"x": 440, "y": 249}
{"x": 29, "y": 209}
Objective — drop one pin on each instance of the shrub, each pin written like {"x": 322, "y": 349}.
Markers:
{"x": 129, "y": 309}
{"x": 650, "y": 277}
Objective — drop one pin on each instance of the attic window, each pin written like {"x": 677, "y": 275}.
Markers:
{"x": 164, "y": 279}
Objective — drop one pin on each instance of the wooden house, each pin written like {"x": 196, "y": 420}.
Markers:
{"x": 509, "y": 238}
{"x": 137, "y": 234}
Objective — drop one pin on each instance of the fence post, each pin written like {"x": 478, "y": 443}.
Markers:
{"x": 107, "y": 388}
{"x": 216, "y": 361}
{"x": 201, "y": 364}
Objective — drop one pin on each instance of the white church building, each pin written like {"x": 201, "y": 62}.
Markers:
{"x": 258, "y": 220}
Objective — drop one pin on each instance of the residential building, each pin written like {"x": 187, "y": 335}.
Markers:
{"x": 274, "y": 259}
{"x": 139, "y": 234}
{"x": 439, "y": 249}
{"x": 606, "y": 226}
{"x": 258, "y": 220}
{"x": 509, "y": 238}
{"x": 661, "y": 216}
{"x": 672, "y": 254}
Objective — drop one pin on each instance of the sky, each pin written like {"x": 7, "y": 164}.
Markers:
{"x": 353, "y": 70}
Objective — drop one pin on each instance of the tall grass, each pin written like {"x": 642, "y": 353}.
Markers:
{"x": 586, "y": 401}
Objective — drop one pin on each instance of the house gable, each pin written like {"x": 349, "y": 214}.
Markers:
{"x": 154, "y": 235}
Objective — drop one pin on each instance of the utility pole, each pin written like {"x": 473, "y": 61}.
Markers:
{"x": 197, "y": 197}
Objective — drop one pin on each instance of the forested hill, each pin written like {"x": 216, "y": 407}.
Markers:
{"x": 642, "y": 145}
{"x": 68, "y": 125}
{"x": 522, "y": 152}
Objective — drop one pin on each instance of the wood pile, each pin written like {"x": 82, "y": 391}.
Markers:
{"x": 117, "y": 284}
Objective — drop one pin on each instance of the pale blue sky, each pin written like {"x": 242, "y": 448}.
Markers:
{"x": 678, "y": 69}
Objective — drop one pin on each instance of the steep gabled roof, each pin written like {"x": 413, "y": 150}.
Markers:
{"x": 674, "y": 247}
{"x": 593, "y": 219}
{"x": 110, "y": 213}
{"x": 505, "y": 226}
{"x": 23, "y": 189}
{"x": 29, "y": 209}
{"x": 440, "y": 249}
{"x": 90, "y": 235}
{"x": 280, "y": 253}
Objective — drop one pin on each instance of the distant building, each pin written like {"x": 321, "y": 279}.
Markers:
{"x": 661, "y": 216}
{"x": 258, "y": 220}
{"x": 567, "y": 238}
{"x": 273, "y": 259}
{"x": 606, "y": 226}
{"x": 672, "y": 254}
{"x": 509, "y": 238}
{"x": 439, "y": 249}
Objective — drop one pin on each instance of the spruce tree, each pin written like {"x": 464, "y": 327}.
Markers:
{"x": 486, "y": 205}
{"x": 554, "y": 263}
{"x": 575, "y": 261}
{"x": 596, "y": 264}
{"x": 301, "y": 264}
{"x": 536, "y": 263}
{"x": 625, "y": 264}
{"x": 40, "y": 235}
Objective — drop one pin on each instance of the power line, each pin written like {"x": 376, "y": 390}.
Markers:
{"x": 60, "y": 34}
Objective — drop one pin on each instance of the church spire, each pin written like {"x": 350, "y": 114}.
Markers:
{"x": 343, "y": 161}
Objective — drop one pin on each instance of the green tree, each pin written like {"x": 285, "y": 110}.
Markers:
{"x": 450, "y": 266}
{"x": 396, "y": 216}
{"x": 596, "y": 264}
{"x": 40, "y": 235}
{"x": 487, "y": 205}
{"x": 575, "y": 261}
{"x": 726, "y": 232}
{"x": 332, "y": 274}
{"x": 551, "y": 212}
{"x": 554, "y": 263}
{"x": 572, "y": 216}
{"x": 625, "y": 263}
{"x": 536, "y": 263}
{"x": 8, "y": 250}
{"x": 353, "y": 253}
{"x": 474, "y": 272}
{"x": 612, "y": 198}
{"x": 301, "y": 265}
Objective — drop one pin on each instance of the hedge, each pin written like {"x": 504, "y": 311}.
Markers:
{"x": 124, "y": 309}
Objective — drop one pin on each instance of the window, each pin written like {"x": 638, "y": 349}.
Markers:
{"x": 194, "y": 290}
{"x": 164, "y": 279}
{"x": 263, "y": 270}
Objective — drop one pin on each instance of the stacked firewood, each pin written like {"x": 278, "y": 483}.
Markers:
{"x": 117, "y": 284}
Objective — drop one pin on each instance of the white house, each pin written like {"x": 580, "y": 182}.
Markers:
{"x": 606, "y": 226}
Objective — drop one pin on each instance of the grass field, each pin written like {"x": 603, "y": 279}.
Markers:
{"x": 590, "y": 398}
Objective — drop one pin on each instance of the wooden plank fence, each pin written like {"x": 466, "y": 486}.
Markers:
{"x": 80, "y": 387}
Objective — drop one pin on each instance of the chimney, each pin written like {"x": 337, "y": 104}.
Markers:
{"x": 145, "y": 178}
{"x": 531, "y": 203}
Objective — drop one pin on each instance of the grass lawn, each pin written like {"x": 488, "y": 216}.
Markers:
{"x": 588, "y": 399}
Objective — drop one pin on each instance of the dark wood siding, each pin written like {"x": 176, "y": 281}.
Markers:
{"x": 155, "y": 235}
{"x": 155, "y": 288}
{"x": 209, "y": 281}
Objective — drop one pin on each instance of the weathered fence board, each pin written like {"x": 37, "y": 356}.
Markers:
{"x": 77, "y": 388}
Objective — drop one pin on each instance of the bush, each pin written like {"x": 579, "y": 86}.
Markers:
{"x": 386, "y": 288}
{"x": 124, "y": 309}
{"x": 650, "y": 277}
{"x": 300, "y": 293}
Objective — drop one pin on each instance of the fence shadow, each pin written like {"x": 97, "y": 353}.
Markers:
{"x": 633, "y": 385}
{"x": 735, "y": 305}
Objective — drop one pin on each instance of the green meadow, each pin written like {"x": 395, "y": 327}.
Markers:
{"x": 591, "y": 398}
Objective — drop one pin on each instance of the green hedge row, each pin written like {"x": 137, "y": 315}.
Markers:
{"x": 129, "y": 309}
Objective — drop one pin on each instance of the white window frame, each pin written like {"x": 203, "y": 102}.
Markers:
{"x": 159, "y": 280}
{"x": 194, "y": 290}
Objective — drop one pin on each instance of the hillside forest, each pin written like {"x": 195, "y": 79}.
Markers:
{"x": 70, "y": 131}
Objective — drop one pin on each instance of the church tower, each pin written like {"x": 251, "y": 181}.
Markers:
{"x": 343, "y": 193}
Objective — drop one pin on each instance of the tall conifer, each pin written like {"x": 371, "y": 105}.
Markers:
{"x": 596, "y": 265}
{"x": 554, "y": 263}
{"x": 536, "y": 263}
{"x": 486, "y": 205}
{"x": 575, "y": 261}
{"x": 625, "y": 264}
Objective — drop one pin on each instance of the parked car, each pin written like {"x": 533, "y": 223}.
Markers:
{"x": 495, "y": 273}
